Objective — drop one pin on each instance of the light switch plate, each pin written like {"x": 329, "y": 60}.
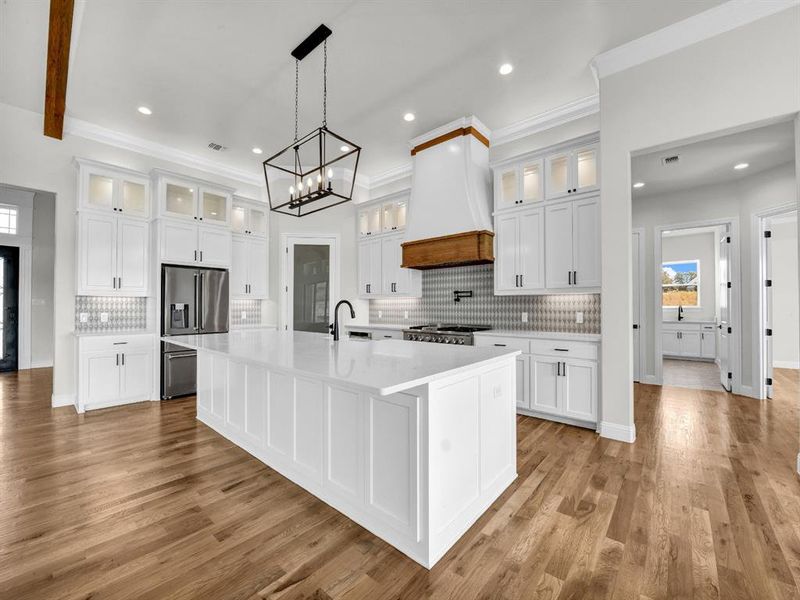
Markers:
{"x": 104, "y": 317}
{"x": 524, "y": 317}
{"x": 578, "y": 316}
{"x": 84, "y": 317}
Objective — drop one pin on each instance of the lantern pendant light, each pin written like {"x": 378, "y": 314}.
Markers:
{"x": 312, "y": 173}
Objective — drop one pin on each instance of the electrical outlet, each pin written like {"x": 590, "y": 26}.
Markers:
{"x": 524, "y": 317}
{"x": 103, "y": 317}
{"x": 244, "y": 315}
{"x": 380, "y": 314}
{"x": 579, "y": 316}
{"x": 405, "y": 314}
{"x": 84, "y": 317}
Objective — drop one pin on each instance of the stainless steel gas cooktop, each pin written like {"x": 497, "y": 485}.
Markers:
{"x": 444, "y": 333}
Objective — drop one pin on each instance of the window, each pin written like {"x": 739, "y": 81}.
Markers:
{"x": 680, "y": 283}
{"x": 8, "y": 219}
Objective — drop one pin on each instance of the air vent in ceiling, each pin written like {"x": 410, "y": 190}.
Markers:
{"x": 671, "y": 160}
{"x": 215, "y": 146}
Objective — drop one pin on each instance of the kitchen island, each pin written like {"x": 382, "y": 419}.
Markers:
{"x": 413, "y": 441}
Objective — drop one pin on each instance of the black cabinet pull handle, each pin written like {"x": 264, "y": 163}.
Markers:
{"x": 117, "y": 359}
{"x": 123, "y": 359}
{"x": 561, "y": 349}
{"x": 574, "y": 278}
{"x": 521, "y": 284}
{"x": 501, "y": 345}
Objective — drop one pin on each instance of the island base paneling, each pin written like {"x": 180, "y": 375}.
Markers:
{"x": 416, "y": 468}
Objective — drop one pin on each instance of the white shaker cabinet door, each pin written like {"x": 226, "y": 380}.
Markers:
{"x": 133, "y": 243}
{"x": 178, "y": 242}
{"x": 690, "y": 343}
{"x": 364, "y": 270}
{"x": 97, "y": 253}
{"x": 531, "y": 249}
{"x": 375, "y": 266}
{"x": 523, "y": 368}
{"x": 544, "y": 383}
{"x": 214, "y": 245}
{"x": 586, "y": 243}
{"x": 390, "y": 264}
{"x": 239, "y": 266}
{"x": 670, "y": 343}
{"x": 136, "y": 374}
{"x": 579, "y": 389}
{"x": 558, "y": 236}
{"x": 507, "y": 236}
{"x": 257, "y": 255}
{"x": 101, "y": 373}
{"x": 708, "y": 344}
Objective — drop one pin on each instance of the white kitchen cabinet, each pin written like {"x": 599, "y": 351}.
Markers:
{"x": 519, "y": 184}
{"x": 369, "y": 268}
{"x": 393, "y": 215}
{"x": 572, "y": 238}
{"x": 113, "y": 255}
{"x": 192, "y": 199}
{"x": 572, "y": 171}
{"x": 689, "y": 340}
{"x": 114, "y": 189}
{"x": 248, "y": 277}
{"x": 556, "y": 378}
{"x": 369, "y": 220}
{"x": 395, "y": 280}
{"x": 506, "y": 187}
{"x": 189, "y": 243}
{"x": 114, "y": 369}
{"x": 248, "y": 217}
{"x": 519, "y": 256}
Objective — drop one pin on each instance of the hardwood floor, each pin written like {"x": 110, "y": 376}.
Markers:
{"x": 142, "y": 502}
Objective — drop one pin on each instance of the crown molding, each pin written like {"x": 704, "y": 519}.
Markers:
{"x": 702, "y": 26}
{"x": 90, "y": 131}
{"x": 571, "y": 111}
{"x": 390, "y": 176}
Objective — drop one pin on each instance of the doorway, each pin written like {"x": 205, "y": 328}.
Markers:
{"x": 310, "y": 276}
{"x": 9, "y": 308}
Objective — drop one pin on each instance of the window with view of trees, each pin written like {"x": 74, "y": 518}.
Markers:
{"x": 680, "y": 283}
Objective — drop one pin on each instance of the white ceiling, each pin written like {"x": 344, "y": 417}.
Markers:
{"x": 711, "y": 161}
{"x": 221, "y": 70}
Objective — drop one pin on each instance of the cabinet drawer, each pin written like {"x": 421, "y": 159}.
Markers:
{"x": 564, "y": 349}
{"x": 513, "y": 343}
{"x": 386, "y": 334}
{"x": 115, "y": 342}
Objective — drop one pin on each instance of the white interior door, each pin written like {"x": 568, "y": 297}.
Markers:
{"x": 311, "y": 282}
{"x": 724, "y": 311}
{"x": 767, "y": 325}
{"x": 637, "y": 307}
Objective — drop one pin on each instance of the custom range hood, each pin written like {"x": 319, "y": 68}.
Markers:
{"x": 449, "y": 215}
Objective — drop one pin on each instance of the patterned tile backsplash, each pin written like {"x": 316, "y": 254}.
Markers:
{"x": 545, "y": 313}
{"x": 124, "y": 313}
{"x": 251, "y": 309}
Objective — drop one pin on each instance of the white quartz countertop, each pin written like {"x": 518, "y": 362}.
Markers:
{"x": 541, "y": 335}
{"x": 383, "y": 366}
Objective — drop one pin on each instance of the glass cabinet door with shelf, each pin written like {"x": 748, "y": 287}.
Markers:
{"x": 134, "y": 198}
{"x": 532, "y": 181}
{"x": 238, "y": 218}
{"x": 101, "y": 191}
{"x": 180, "y": 200}
{"x": 506, "y": 188}
{"x": 214, "y": 207}
{"x": 559, "y": 177}
{"x": 394, "y": 215}
{"x": 369, "y": 221}
{"x": 257, "y": 223}
{"x": 587, "y": 168}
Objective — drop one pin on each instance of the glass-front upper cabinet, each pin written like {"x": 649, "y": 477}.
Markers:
{"x": 532, "y": 181}
{"x": 587, "y": 168}
{"x": 248, "y": 218}
{"x": 369, "y": 220}
{"x": 394, "y": 215}
{"x": 214, "y": 206}
{"x": 258, "y": 221}
{"x": 180, "y": 200}
{"x": 558, "y": 179}
{"x": 506, "y": 187}
{"x": 238, "y": 217}
{"x": 105, "y": 187}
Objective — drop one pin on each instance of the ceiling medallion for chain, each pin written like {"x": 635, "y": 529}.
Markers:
{"x": 316, "y": 171}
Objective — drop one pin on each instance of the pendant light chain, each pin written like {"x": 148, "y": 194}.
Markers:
{"x": 325, "y": 84}
{"x": 296, "y": 93}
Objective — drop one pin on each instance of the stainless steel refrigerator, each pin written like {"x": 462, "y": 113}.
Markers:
{"x": 193, "y": 302}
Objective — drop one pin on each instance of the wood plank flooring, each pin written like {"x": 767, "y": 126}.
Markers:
{"x": 142, "y": 502}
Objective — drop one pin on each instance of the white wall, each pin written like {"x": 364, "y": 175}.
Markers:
{"x": 747, "y": 75}
{"x": 30, "y": 160}
{"x": 42, "y": 279}
{"x": 693, "y": 246}
{"x": 785, "y": 299}
{"x": 740, "y": 199}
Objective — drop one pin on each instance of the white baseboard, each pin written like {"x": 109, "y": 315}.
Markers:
{"x": 621, "y": 433}
{"x": 785, "y": 364}
{"x": 650, "y": 380}
{"x": 58, "y": 400}
{"x": 41, "y": 364}
{"x": 747, "y": 390}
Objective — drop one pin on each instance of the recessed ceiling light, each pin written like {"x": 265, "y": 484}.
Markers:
{"x": 506, "y": 68}
{"x": 144, "y": 110}
{"x": 345, "y": 148}
{"x": 409, "y": 116}
{"x": 638, "y": 184}
{"x": 741, "y": 166}
{"x": 257, "y": 150}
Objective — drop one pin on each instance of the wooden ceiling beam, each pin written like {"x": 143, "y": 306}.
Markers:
{"x": 55, "y": 95}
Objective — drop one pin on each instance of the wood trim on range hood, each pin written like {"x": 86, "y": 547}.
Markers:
{"x": 456, "y": 250}
{"x": 449, "y": 136}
